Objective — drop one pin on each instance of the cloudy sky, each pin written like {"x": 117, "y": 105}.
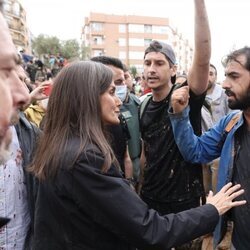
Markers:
{"x": 229, "y": 19}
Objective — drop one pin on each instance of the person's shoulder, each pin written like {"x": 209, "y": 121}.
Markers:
{"x": 232, "y": 118}
{"x": 72, "y": 153}
{"x": 134, "y": 98}
{"x": 34, "y": 108}
{"x": 145, "y": 98}
{"x": 91, "y": 158}
{"x": 221, "y": 92}
{"x": 217, "y": 93}
{"x": 25, "y": 123}
{"x": 90, "y": 152}
{"x": 232, "y": 114}
{"x": 218, "y": 87}
{"x": 73, "y": 144}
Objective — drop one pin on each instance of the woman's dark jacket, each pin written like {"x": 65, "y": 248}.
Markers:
{"x": 83, "y": 208}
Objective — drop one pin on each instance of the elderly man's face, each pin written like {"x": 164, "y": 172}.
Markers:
{"x": 13, "y": 93}
{"x": 7, "y": 63}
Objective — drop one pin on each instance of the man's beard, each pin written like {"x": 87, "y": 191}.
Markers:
{"x": 5, "y": 147}
{"x": 243, "y": 103}
{"x": 209, "y": 86}
{"x": 15, "y": 117}
{"x": 6, "y": 140}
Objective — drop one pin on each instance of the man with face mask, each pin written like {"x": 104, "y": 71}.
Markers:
{"x": 120, "y": 134}
{"x": 121, "y": 92}
{"x": 229, "y": 139}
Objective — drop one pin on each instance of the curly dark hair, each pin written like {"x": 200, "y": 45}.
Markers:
{"x": 235, "y": 54}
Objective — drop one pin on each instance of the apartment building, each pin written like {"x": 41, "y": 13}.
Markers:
{"x": 126, "y": 37}
{"x": 15, "y": 15}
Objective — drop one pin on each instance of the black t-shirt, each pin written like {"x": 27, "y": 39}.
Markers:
{"x": 241, "y": 175}
{"x": 167, "y": 177}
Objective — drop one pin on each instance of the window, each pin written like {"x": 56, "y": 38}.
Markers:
{"x": 98, "y": 52}
{"x": 96, "y": 26}
{"x": 147, "y": 42}
{"x": 161, "y": 29}
{"x": 136, "y": 28}
{"x": 98, "y": 40}
{"x": 136, "y": 55}
{"x": 122, "y": 42}
{"x": 122, "y": 55}
{"x": 136, "y": 42}
{"x": 122, "y": 28}
{"x": 147, "y": 28}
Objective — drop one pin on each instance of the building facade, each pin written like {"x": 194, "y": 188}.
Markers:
{"x": 126, "y": 37}
{"x": 15, "y": 15}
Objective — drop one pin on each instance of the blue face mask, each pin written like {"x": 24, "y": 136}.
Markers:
{"x": 121, "y": 92}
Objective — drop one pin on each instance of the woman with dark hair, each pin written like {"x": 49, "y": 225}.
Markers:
{"x": 82, "y": 200}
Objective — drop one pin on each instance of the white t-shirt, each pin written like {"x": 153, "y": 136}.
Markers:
{"x": 13, "y": 199}
{"x": 218, "y": 102}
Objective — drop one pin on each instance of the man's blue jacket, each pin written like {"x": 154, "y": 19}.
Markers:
{"x": 211, "y": 145}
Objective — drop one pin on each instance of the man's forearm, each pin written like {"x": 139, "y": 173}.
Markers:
{"x": 198, "y": 74}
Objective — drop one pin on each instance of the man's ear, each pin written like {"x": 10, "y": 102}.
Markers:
{"x": 174, "y": 70}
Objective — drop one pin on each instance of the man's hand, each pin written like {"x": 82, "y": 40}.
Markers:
{"x": 179, "y": 99}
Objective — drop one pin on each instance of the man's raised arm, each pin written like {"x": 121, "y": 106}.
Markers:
{"x": 198, "y": 73}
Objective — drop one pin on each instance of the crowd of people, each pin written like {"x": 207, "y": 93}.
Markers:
{"x": 38, "y": 70}
{"x": 86, "y": 164}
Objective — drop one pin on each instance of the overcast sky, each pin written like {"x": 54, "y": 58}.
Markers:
{"x": 229, "y": 19}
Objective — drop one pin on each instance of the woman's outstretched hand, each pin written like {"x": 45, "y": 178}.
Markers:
{"x": 223, "y": 200}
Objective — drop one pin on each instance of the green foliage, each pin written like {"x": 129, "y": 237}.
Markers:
{"x": 133, "y": 71}
{"x": 70, "y": 49}
{"x": 46, "y": 45}
{"x": 85, "y": 53}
